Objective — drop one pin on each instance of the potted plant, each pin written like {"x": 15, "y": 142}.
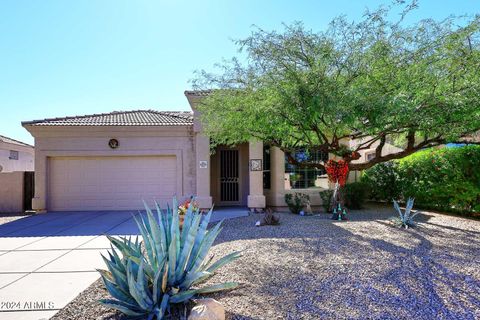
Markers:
{"x": 182, "y": 209}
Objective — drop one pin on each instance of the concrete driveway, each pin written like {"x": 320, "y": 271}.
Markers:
{"x": 47, "y": 260}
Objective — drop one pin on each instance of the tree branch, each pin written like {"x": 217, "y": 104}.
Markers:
{"x": 428, "y": 143}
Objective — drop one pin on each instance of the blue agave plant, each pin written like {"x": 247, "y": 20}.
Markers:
{"x": 145, "y": 280}
{"x": 404, "y": 219}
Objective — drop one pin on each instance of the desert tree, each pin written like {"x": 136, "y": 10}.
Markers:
{"x": 375, "y": 80}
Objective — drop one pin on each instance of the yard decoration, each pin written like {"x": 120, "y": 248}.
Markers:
{"x": 269, "y": 218}
{"x": 145, "y": 279}
{"x": 337, "y": 172}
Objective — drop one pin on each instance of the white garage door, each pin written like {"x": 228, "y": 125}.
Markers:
{"x": 110, "y": 183}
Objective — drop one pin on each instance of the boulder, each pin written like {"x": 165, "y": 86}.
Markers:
{"x": 207, "y": 309}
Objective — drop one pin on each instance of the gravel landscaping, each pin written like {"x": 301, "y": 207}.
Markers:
{"x": 316, "y": 268}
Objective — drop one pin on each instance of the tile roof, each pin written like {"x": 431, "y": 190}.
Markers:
{"x": 198, "y": 93}
{"x": 13, "y": 141}
{"x": 121, "y": 118}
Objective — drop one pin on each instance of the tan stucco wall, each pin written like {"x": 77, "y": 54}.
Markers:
{"x": 133, "y": 141}
{"x": 202, "y": 155}
{"x": 256, "y": 197}
{"x": 11, "y": 192}
{"x": 25, "y": 160}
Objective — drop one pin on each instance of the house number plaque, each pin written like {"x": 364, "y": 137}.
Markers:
{"x": 256, "y": 165}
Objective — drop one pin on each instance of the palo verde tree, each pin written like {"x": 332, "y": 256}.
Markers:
{"x": 376, "y": 80}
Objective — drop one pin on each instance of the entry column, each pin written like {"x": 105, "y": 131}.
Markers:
{"x": 39, "y": 202}
{"x": 256, "y": 198}
{"x": 202, "y": 163}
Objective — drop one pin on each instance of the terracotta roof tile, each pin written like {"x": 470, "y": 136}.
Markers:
{"x": 121, "y": 118}
{"x": 198, "y": 93}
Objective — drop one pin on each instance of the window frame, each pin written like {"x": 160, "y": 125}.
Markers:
{"x": 267, "y": 167}
{"x": 290, "y": 168}
{"x": 368, "y": 154}
{"x": 14, "y": 155}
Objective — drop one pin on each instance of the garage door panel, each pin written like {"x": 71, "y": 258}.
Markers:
{"x": 110, "y": 183}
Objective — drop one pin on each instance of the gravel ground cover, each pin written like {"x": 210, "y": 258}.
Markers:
{"x": 316, "y": 268}
{"x": 9, "y": 217}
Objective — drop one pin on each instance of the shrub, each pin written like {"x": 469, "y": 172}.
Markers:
{"x": 326, "y": 196}
{"x": 382, "y": 180}
{"x": 148, "y": 277}
{"x": 355, "y": 194}
{"x": 296, "y": 201}
{"x": 444, "y": 179}
{"x": 404, "y": 219}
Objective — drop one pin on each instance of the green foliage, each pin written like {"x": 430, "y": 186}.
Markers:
{"x": 382, "y": 180}
{"x": 446, "y": 179}
{"x": 145, "y": 282}
{"x": 374, "y": 78}
{"x": 404, "y": 219}
{"x": 355, "y": 194}
{"x": 296, "y": 202}
{"x": 326, "y": 196}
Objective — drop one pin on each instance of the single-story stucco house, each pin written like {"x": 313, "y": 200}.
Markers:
{"x": 16, "y": 175}
{"x": 15, "y": 155}
{"x": 113, "y": 161}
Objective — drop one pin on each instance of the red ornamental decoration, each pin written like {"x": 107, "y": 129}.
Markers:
{"x": 337, "y": 171}
{"x": 355, "y": 155}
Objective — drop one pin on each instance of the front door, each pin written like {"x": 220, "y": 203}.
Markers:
{"x": 229, "y": 177}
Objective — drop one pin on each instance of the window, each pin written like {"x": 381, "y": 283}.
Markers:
{"x": 266, "y": 167}
{"x": 370, "y": 156}
{"x": 13, "y": 155}
{"x": 303, "y": 178}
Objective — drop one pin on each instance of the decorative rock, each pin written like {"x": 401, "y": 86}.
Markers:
{"x": 207, "y": 309}
{"x": 308, "y": 209}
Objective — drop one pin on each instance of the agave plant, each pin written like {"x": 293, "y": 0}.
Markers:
{"x": 404, "y": 219}
{"x": 146, "y": 278}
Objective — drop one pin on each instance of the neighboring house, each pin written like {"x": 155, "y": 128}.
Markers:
{"x": 15, "y": 155}
{"x": 472, "y": 138}
{"x": 113, "y": 161}
{"x": 368, "y": 154}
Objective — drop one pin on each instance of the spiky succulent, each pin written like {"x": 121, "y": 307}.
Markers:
{"x": 145, "y": 278}
{"x": 404, "y": 219}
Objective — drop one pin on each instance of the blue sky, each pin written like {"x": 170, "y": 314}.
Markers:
{"x": 61, "y": 58}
